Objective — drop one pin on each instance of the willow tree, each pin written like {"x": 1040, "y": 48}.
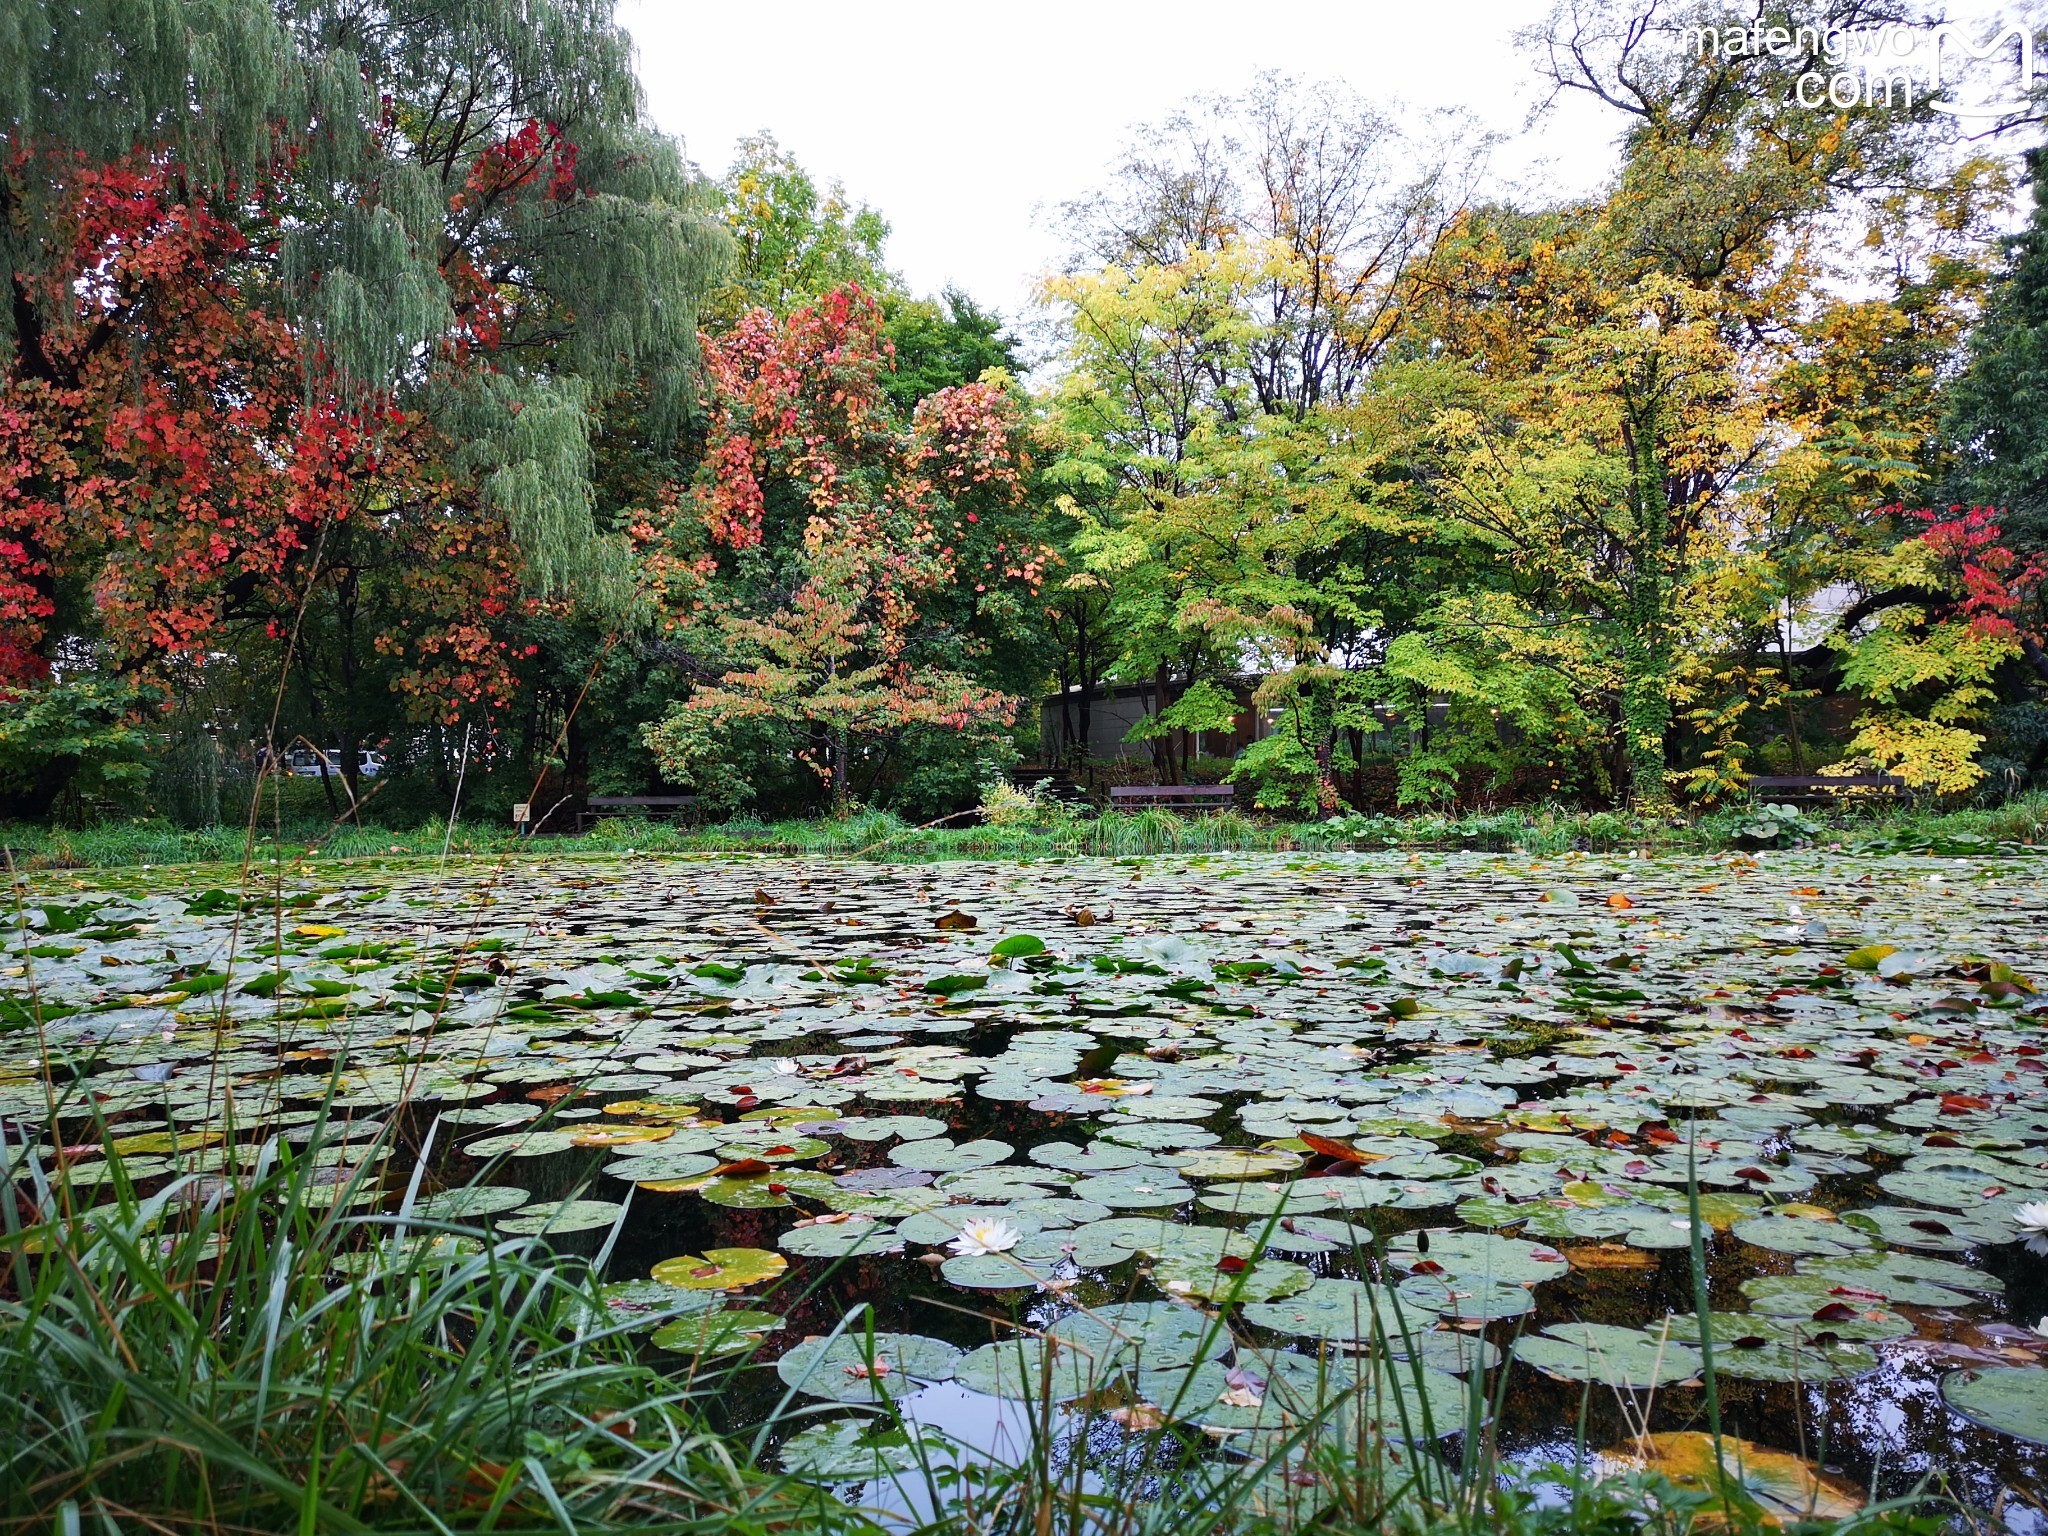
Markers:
{"x": 440, "y": 235}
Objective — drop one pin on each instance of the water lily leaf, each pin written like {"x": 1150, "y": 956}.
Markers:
{"x": 1344, "y": 1311}
{"x": 1819, "y": 1303}
{"x": 685, "y": 1169}
{"x": 2012, "y": 1399}
{"x": 1912, "y": 1226}
{"x": 860, "y": 1450}
{"x": 1209, "y": 1163}
{"x": 1802, "y": 1235}
{"x": 1146, "y": 1333}
{"x": 849, "y": 1239}
{"x": 882, "y": 1127}
{"x": 1779, "y": 1483}
{"x": 1035, "y": 1368}
{"x": 859, "y": 1367}
{"x": 1466, "y": 1298}
{"x": 1006, "y": 1271}
{"x": 1479, "y": 1255}
{"x": 944, "y": 1156}
{"x": 471, "y": 1201}
{"x": 1133, "y": 1189}
{"x": 1626, "y": 1359}
{"x": 767, "y": 1191}
{"x": 720, "y": 1269}
{"x": 521, "y": 1144}
{"x": 1018, "y": 946}
{"x": 1262, "y": 1199}
{"x": 552, "y": 1216}
{"x": 774, "y": 1149}
{"x": 1911, "y": 1278}
{"x": 1454, "y": 1350}
{"x": 1229, "y": 1278}
{"x": 645, "y": 1304}
{"x": 716, "y": 1333}
{"x": 1755, "y": 1347}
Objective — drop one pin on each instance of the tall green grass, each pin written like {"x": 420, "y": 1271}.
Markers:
{"x": 1537, "y": 830}
{"x": 238, "y": 1353}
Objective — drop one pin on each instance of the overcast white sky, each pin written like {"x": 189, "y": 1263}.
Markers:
{"x": 966, "y": 124}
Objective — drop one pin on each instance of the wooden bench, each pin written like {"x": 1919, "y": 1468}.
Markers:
{"x": 1176, "y": 797}
{"x": 1823, "y": 788}
{"x": 598, "y": 807}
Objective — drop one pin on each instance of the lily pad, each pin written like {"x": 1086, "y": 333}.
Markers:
{"x": 1229, "y": 1278}
{"x": 716, "y": 1333}
{"x": 1343, "y": 1311}
{"x": 2012, "y": 1399}
{"x": 843, "y": 1240}
{"x": 720, "y": 1269}
{"x": 553, "y": 1216}
{"x": 1626, "y": 1359}
{"x": 860, "y": 1450}
{"x": 859, "y": 1367}
{"x": 935, "y": 1156}
{"x": 471, "y": 1201}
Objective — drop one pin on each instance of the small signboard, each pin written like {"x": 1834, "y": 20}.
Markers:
{"x": 522, "y": 812}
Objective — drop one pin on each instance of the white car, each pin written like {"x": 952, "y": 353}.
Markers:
{"x": 306, "y": 763}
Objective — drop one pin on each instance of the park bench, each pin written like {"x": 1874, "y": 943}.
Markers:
{"x": 598, "y": 807}
{"x": 1824, "y": 788}
{"x": 1176, "y": 797}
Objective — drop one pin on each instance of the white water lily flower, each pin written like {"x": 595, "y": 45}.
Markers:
{"x": 985, "y": 1236}
{"x": 2032, "y": 1220}
{"x": 785, "y": 1066}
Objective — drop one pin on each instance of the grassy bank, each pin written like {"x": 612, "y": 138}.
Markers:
{"x": 1540, "y": 830}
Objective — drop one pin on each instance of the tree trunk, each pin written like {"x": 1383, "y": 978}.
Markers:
{"x": 1646, "y": 641}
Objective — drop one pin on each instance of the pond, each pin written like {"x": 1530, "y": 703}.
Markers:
{"x": 1425, "y": 1137}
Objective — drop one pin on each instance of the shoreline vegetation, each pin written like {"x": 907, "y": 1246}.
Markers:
{"x": 2017, "y": 826}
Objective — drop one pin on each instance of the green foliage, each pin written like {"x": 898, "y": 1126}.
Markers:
{"x": 83, "y": 738}
{"x": 793, "y": 243}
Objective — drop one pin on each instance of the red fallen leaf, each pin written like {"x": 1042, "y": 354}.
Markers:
{"x": 1834, "y": 1312}
{"x": 1638, "y": 1166}
{"x": 1619, "y": 901}
{"x": 1624, "y": 1066}
{"x": 705, "y": 1271}
{"x": 1753, "y": 1175}
{"x": 1929, "y": 1224}
{"x": 780, "y": 1151}
{"x": 1617, "y": 1139}
{"x": 1992, "y": 1191}
{"x": 1230, "y": 1264}
{"x": 745, "y": 1167}
{"x": 1957, "y": 1103}
{"x": 778, "y": 1189}
{"x": 1857, "y": 1293}
{"x": 1797, "y": 1052}
{"x": 1749, "y": 1341}
{"x": 1940, "y": 1139}
{"x": 1662, "y": 1136}
{"x": 1428, "y": 1267}
{"x": 1331, "y": 1146}
{"x": 749, "y": 1102}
